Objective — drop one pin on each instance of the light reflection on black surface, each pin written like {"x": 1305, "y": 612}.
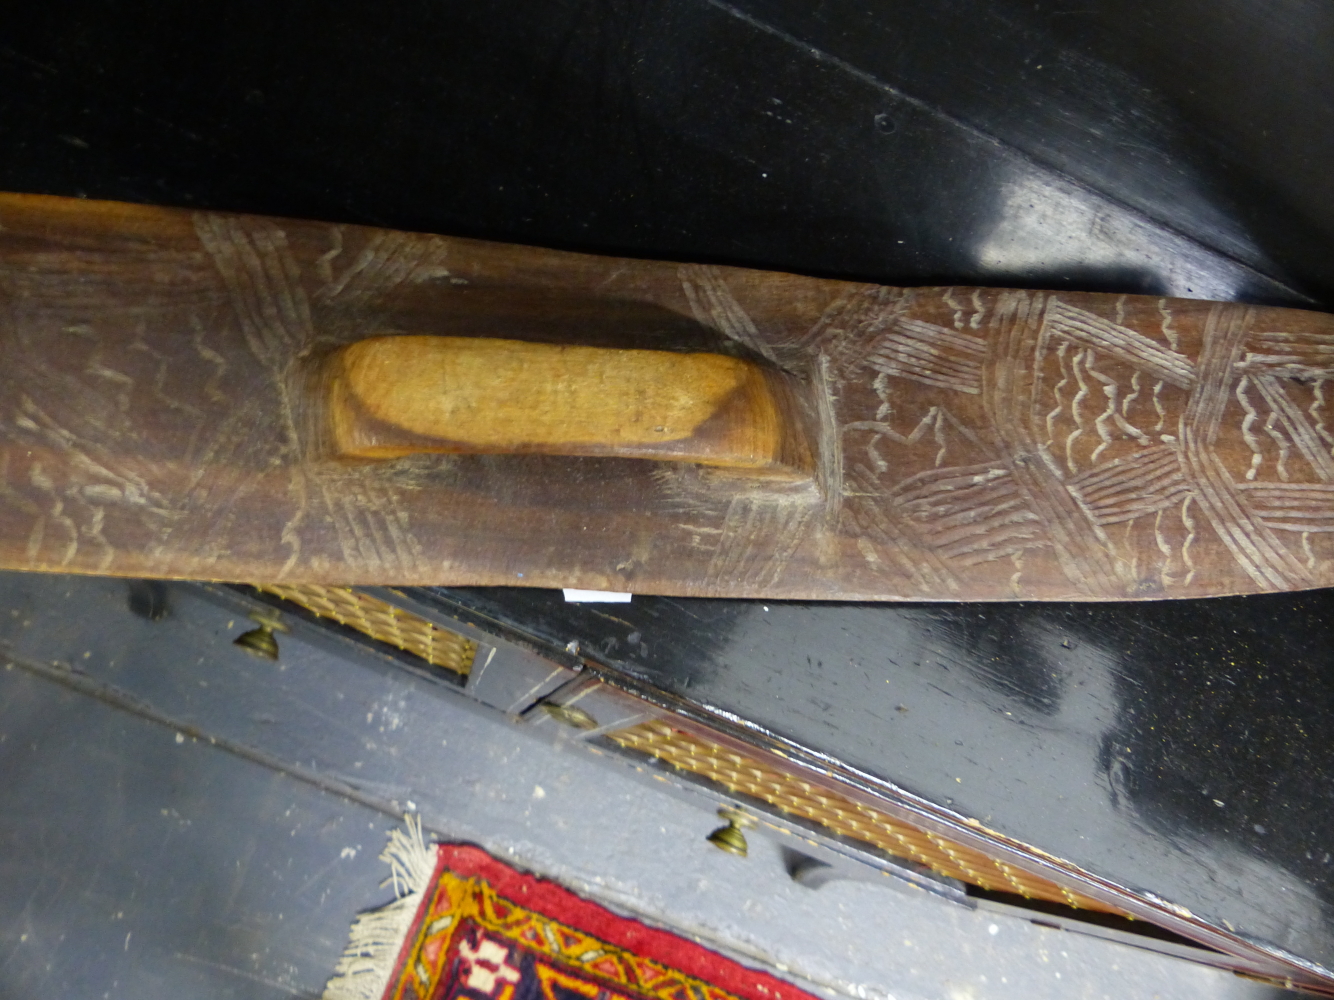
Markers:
{"x": 1106, "y": 733}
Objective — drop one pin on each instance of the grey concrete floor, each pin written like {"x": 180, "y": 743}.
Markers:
{"x": 179, "y": 819}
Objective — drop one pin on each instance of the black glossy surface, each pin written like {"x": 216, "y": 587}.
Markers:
{"x": 1173, "y": 147}
{"x": 1176, "y": 747}
{"x": 179, "y": 819}
{"x": 1213, "y": 119}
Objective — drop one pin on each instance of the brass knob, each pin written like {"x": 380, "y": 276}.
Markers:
{"x": 730, "y": 838}
{"x": 261, "y": 641}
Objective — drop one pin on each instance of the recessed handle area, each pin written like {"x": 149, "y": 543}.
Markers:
{"x": 391, "y": 396}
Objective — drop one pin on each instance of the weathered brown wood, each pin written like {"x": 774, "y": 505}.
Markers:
{"x": 969, "y": 444}
{"x": 388, "y": 397}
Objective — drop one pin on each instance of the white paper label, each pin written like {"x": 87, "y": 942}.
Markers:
{"x": 573, "y": 596}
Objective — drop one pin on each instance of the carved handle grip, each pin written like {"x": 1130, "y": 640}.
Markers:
{"x": 387, "y": 397}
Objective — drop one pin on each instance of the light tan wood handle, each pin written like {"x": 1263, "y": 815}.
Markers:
{"x": 387, "y": 397}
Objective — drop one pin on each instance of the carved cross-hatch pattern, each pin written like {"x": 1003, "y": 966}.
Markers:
{"x": 1109, "y": 451}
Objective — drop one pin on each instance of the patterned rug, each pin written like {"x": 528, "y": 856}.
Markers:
{"x": 470, "y": 927}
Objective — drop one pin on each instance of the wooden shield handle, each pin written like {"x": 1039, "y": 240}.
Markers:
{"x": 387, "y": 397}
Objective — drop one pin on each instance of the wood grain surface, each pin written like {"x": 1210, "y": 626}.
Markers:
{"x": 965, "y": 444}
{"x": 388, "y": 397}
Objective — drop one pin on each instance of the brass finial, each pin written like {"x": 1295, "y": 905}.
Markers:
{"x": 261, "y": 641}
{"x": 730, "y": 838}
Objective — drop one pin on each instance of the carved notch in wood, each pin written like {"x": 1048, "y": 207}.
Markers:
{"x": 386, "y": 397}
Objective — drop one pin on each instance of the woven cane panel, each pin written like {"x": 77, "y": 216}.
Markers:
{"x": 384, "y": 622}
{"x": 840, "y": 814}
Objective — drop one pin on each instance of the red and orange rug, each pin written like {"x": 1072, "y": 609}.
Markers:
{"x": 470, "y": 927}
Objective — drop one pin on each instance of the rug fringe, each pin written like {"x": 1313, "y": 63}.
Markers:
{"x": 377, "y": 935}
